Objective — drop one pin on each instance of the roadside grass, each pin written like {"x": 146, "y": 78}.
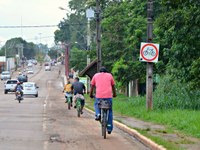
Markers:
{"x": 182, "y": 121}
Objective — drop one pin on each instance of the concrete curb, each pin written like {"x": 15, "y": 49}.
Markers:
{"x": 135, "y": 133}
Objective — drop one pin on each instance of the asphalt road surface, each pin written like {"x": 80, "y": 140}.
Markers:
{"x": 44, "y": 123}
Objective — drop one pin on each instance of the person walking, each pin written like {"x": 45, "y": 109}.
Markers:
{"x": 105, "y": 89}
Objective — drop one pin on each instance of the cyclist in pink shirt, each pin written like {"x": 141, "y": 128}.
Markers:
{"x": 105, "y": 89}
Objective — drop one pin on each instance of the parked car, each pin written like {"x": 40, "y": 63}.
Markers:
{"x": 30, "y": 88}
{"x": 9, "y": 85}
{"x": 22, "y": 78}
{"x": 5, "y": 75}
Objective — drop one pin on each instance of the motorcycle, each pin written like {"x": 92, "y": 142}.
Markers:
{"x": 18, "y": 96}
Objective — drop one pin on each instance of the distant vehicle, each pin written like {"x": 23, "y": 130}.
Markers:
{"x": 30, "y": 71}
{"x": 30, "y": 64}
{"x": 30, "y": 88}
{"x": 34, "y": 62}
{"x": 52, "y": 63}
{"x": 10, "y": 85}
{"x": 48, "y": 68}
{"x": 5, "y": 75}
{"x": 46, "y": 64}
{"x": 22, "y": 78}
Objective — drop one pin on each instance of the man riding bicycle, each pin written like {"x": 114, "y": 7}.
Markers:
{"x": 79, "y": 89}
{"x": 105, "y": 89}
{"x": 68, "y": 91}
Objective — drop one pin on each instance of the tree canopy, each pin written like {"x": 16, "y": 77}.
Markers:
{"x": 124, "y": 27}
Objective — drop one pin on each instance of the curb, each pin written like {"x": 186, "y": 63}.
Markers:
{"x": 149, "y": 143}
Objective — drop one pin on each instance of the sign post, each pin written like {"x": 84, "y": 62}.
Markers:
{"x": 149, "y": 74}
{"x": 149, "y": 53}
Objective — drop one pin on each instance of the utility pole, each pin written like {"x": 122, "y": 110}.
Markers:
{"x": 98, "y": 36}
{"x": 67, "y": 60}
{"x": 149, "y": 71}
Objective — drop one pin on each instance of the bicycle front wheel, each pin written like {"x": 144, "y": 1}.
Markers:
{"x": 104, "y": 123}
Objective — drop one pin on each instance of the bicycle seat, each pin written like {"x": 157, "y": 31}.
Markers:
{"x": 104, "y": 104}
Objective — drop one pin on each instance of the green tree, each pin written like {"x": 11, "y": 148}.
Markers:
{"x": 14, "y": 46}
{"x": 177, "y": 31}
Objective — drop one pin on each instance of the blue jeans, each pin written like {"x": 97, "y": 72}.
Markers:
{"x": 110, "y": 114}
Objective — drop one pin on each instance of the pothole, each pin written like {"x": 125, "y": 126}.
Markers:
{"x": 56, "y": 138}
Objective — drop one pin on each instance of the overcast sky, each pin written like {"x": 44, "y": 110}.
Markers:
{"x": 30, "y": 13}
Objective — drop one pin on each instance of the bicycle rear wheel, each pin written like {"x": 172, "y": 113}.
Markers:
{"x": 104, "y": 123}
{"x": 78, "y": 107}
{"x": 69, "y": 103}
{"x": 78, "y": 111}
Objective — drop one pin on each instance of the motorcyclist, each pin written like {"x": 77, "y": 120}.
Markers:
{"x": 19, "y": 88}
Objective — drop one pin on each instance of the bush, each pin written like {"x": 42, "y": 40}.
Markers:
{"x": 172, "y": 94}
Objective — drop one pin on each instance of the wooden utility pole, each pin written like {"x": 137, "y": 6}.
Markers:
{"x": 66, "y": 60}
{"x": 98, "y": 36}
{"x": 149, "y": 71}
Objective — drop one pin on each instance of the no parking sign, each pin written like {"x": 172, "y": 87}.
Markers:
{"x": 149, "y": 52}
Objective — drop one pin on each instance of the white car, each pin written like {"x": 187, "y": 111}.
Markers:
{"x": 5, "y": 75}
{"x": 30, "y": 71}
{"x": 47, "y": 68}
{"x": 30, "y": 64}
{"x": 30, "y": 88}
{"x": 9, "y": 85}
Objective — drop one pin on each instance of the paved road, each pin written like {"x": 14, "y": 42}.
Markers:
{"x": 44, "y": 123}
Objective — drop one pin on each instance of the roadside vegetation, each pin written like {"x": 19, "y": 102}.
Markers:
{"x": 186, "y": 120}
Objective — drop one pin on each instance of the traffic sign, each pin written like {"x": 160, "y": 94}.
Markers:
{"x": 149, "y": 52}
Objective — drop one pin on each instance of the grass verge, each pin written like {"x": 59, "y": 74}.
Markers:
{"x": 183, "y": 121}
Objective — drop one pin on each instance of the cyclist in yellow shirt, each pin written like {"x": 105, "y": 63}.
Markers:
{"x": 68, "y": 91}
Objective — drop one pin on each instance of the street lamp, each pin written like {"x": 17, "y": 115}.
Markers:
{"x": 61, "y": 8}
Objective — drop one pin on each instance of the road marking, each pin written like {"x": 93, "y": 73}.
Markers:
{"x": 44, "y": 125}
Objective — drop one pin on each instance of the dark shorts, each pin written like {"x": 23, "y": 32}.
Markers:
{"x": 83, "y": 102}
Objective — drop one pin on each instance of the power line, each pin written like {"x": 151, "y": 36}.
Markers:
{"x": 36, "y": 26}
{"x": 41, "y": 26}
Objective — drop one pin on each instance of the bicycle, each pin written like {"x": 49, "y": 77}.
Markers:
{"x": 68, "y": 99}
{"x": 79, "y": 103}
{"x": 78, "y": 106}
{"x": 104, "y": 106}
{"x": 149, "y": 51}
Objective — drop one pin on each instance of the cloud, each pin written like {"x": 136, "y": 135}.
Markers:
{"x": 30, "y": 12}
